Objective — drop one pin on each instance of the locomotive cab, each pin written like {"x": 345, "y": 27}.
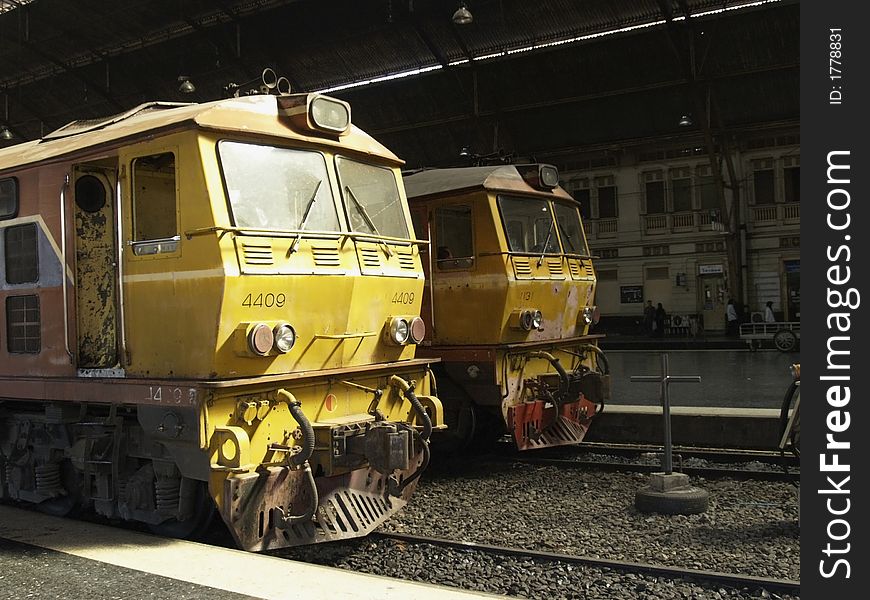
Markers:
{"x": 214, "y": 305}
{"x": 509, "y": 304}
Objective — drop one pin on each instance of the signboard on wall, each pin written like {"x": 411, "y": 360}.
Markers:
{"x": 631, "y": 294}
{"x": 710, "y": 269}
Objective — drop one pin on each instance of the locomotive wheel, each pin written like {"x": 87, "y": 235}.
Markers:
{"x": 489, "y": 429}
{"x": 194, "y": 527}
{"x": 460, "y": 416}
{"x": 785, "y": 340}
{"x": 70, "y": 503}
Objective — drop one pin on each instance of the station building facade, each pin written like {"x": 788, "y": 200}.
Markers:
{"x": 653, "y": 217}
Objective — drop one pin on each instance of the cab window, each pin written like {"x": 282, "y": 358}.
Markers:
{"x": 529, "y": 225}
{"x": 570, "y": 230}
{"x": 454, "y": 237}
{"x": 269, "y": 187}
{"x": 154, "y": 197}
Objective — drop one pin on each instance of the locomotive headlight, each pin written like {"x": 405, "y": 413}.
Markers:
{"x": 418, "y": 330}
{"x": 537, "y": 319}
{"x": 795, "y": 370}
{"x": 285, "y": 337}
{"x": 526, "y": 318}
{"x": 330, "y": 114}
{"x": 260, "y": 339}
{"x": 588, "y": 313}
{"x": 400, "y": 331}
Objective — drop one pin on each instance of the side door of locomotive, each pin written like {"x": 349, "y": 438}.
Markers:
{"x": 422, "y": 231}
{"x": 94, "y": 186}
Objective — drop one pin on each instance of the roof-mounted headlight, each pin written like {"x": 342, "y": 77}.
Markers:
{"x": 285, "y": 337}
{"x": 330, "y": 114}
{"x": 315, "y": 113}
{"x": 540, "y": 176}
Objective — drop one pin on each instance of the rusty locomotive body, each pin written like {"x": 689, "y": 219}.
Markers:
{"x": 200, "y": 313}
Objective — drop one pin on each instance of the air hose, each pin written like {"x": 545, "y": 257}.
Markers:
{"x": 601, "y": 356}
{"x": 300, "y": 460}
{"x": 422, "y": 438}
{"x": 422, "y": 415}
{"x": 563, "y": 375}
{"x": 416, "y": 474}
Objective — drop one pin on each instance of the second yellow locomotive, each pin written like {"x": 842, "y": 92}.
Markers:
{"x": 510, "y": 299}
{"x": 213, "y": 305}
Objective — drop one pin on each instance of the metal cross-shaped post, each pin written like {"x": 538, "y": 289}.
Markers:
{"x": 665, "y": 380}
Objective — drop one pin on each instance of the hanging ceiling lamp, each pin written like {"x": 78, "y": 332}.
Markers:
{"x": 185, "y": 85}
{"x": 462, "y": 16}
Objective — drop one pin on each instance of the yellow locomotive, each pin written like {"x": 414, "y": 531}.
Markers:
{"x": 509, "y": 303}
{"x": 213, "y": 306}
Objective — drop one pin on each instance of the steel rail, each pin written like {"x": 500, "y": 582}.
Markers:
{"x": 788, "y": 586}
{"x": 724, "y": 454}
{"x": 706, "y": 472}
{"x": 713, "y": 454}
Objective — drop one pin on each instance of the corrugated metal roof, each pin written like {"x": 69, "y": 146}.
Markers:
{"x": 90, "y": 58}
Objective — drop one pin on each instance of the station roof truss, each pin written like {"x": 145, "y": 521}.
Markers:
{"x": 524, "y": 78}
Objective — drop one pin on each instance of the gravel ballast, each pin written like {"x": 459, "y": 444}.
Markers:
{"x": 750, "y": 529}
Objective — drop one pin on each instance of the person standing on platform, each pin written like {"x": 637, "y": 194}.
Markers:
{"x": 649, "y": 315}
{"x": 732, "y": 324}
{"x": 660, "y": 320}
{"x": 768, "y": 313}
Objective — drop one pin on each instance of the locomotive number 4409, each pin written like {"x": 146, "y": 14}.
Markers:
{"x": 267, "y": 300}
{"x": 402, "y": 298}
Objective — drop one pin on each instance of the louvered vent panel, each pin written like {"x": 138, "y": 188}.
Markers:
{"x": 554, "y": 265}
{"x": 257, "y": 254}
{"x": 522, "y": 268}
{"x": 575, "y": 269}
{"x": 406, "y": 261}
{"x": 370, "y": 257}
{"x": 326, "y": 257}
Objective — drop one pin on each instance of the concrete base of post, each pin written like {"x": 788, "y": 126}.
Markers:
{"x": 671, "y": 494}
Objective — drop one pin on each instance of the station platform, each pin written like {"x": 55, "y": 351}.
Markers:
{"x": 710, "y": 341}
{"x": 45, "y": 557}
{"x": 710, "y": 426}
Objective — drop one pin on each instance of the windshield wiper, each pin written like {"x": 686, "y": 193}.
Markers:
{"x": 365, "y": 215}
{"x": 546, "y": 243}
{"x": 565, "y": 235}
{"x": 304, "y": 220}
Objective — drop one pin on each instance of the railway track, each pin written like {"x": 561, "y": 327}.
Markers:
{"x": 751, "y": 582}
{"x": 712, "y": 454}
{"x": 707, "y": 472}
{"x": 719, "y": 461}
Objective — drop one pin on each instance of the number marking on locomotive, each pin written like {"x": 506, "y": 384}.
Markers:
{"x": 268, "y": 300}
